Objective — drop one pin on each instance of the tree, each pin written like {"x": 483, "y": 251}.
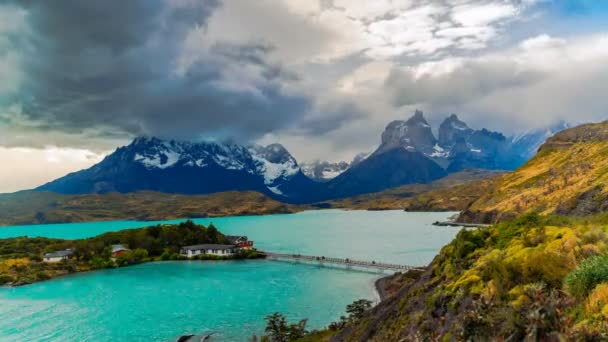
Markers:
{"x": 276, "y": 327}
{"x": 297, "y": 331}
{"x": 140, "y": 254}
{"x": 279, "y": 331}
{"x": 213, "y": 234}
{"x": 107, "y": 252}
{"x": 357, "y": 309}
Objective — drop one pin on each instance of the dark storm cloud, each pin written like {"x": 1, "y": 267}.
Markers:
{"x": 111, "y": 66}
{"x": 330, "y": 120}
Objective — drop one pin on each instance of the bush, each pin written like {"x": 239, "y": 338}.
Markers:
{"x": 598, "y": 299}
{"x": 588, "y": 275}
{"x": 6, "y": 279}
{"x": 42, "y": 276}
{"x": 140, "y": 254}
{"x": 166, "y": 256}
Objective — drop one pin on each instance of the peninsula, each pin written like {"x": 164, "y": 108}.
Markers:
{"x": 25, "y": 260}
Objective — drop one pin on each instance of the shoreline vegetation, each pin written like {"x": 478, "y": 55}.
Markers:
{"x": 21, "y": 258}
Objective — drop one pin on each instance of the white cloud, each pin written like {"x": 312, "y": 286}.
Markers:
{"x": 305, "y": 31}
{"x": 369, "y": 10}
{"x": 26, "y": 168}
{"x": 480, "y": 14}
{"x": 538, "y": 82}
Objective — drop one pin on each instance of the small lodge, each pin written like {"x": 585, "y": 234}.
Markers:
{"x": 58, "y": 256}
{"x": 118, "y": 250}
{"x": 211, "y": 249}
{"x": 240, "y": 241}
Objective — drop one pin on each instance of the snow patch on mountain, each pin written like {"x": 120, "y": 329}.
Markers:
{"x": 273, "y": 171}
{"x": 162, "y": 160}
{"x": 439, "y": 152}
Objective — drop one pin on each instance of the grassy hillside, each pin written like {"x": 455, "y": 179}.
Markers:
{"x": 48, "y": 207}
{"x": 568, "y": 176}
{"x": 454, "y": 192}
{"x": 536, "y": 278}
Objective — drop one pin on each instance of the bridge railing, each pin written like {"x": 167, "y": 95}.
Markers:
{"x": 342, "y": 261}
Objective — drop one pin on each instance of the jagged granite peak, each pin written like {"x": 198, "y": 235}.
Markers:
{"x": 415, "y": 134}
{"x": 452, "y": 129}
{"x": 274, "y": 153}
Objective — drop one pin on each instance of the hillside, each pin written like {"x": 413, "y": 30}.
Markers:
{"x": 47, "y": 207}
{"x": 532, "y": 279}
{"x": 567, "y": 176}
{"x": 451, "y": 193}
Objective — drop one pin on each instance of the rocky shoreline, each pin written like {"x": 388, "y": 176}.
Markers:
{"x": 381, "y": 287}
{"x": 389, "y": 285}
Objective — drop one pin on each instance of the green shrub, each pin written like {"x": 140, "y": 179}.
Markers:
{"x": 165, "y": 256}
{"x": 588, "y": 275}
{"x": 5, "y": 279}
{"x": 42, "y": 276}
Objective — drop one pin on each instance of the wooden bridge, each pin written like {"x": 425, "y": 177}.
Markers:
{"x": 348, "y": 263}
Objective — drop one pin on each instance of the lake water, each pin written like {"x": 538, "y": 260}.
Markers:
{"x": 159, "y": 301}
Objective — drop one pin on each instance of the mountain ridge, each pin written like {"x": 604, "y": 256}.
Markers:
{"x": 408, "y": 153}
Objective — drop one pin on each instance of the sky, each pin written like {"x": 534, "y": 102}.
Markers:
{"x": 79, "y": 78}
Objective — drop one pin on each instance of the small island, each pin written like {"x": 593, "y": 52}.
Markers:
{"x": 25, "y": 260}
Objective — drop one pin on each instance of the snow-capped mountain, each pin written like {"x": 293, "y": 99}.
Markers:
{"x": 408, "y": 153}
{"x": 457, "y": 147}
{"x": 192, "y": 168}
{"x": 323, "y": 171}
{"x": 527, "y": 143}
{"x": 275, "y": 164}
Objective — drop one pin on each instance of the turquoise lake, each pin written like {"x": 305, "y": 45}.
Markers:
{"x": 160, "y": 301}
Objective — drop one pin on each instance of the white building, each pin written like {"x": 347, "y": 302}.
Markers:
{"x": 210, "y": 249}
{"x": 58, "y": 256}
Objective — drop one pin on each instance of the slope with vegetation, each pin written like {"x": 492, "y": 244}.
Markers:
{"x": 535, "y": 278}
{"x": 48, "y": 207}
{"x": 568, "y": 176}
{"x": 452, "y": 193}
{"x": 540, "y": 274}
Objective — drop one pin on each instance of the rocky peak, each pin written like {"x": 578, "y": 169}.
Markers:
{"x": 417, "y": 118}
{"x": 413, "y": 135}
{"x": 452, "y": 129}
{"x": 323, "y": 171}
{"x": 274, "y": 153}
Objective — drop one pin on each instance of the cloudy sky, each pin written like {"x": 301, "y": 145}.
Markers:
{"x": 79, "y": 78}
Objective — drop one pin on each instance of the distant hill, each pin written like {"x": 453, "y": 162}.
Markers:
{"x": 568, "y": 176}
{"x": 451, "y": 193}
{"x": 28, "y": 207}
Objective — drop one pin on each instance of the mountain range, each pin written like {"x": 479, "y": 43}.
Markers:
{"x": 323, "y": 171}
{"x": 408, "y": 153}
